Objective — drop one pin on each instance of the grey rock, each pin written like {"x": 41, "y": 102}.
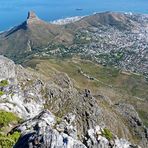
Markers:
{"x": 95, "y": 139}
{"x": 40, "y": 132}
{"x": 7, "y": 68}
{"x": 43, "y": 131}
{"x": 134, "y": 121}
{"x": 68, "y": 125}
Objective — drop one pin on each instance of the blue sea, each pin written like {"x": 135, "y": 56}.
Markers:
{"x": 13, "y": 12}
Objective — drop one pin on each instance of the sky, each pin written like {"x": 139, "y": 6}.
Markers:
{"x": 13, "y": 12}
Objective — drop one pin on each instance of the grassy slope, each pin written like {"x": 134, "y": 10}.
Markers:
{"x": 108, "y": 81}
{"x": 7, "y": 121}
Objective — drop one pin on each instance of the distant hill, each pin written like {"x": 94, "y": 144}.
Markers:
{"x": 31, "y": 35}
{"x": 109, "y": 38}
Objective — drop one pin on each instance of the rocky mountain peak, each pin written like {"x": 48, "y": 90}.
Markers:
{"x": 32, "y": 17}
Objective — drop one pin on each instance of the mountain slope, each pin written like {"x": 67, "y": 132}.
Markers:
{"x": 108, "y": 38}
{"x": 30, "y": 36}
{"x": 118, "y": 20}
{"x": 28, "y": 93}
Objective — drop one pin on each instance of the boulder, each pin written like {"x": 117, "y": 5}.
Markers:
{"x": 7, "y": 68}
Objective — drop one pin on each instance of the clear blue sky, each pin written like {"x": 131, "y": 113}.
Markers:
{"x": 13, "y": 12}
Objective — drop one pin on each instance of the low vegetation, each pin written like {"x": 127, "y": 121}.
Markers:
{"x": 58, "y": 120}
{"x": 4, "y": 83}
{"x": 106, "y": 76}
{"x": 107, "y": 134}
{"x": 1, "y": 93}
{"x": 144, "y": 116}
{"x": 7, "y": 141}
{"x": 7, "y": 117}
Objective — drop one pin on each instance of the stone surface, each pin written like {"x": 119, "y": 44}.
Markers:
{"x": 134, "y": 121}
{"x": 45, "y": 130}
{"x": 40, "y": 132}
{"x": 32, "y": 18}
{"x": 22, "y": 95}
{"x": 95, "y": 139}
{"x": 31, "y": 15}
{"x": 7, "y": 68}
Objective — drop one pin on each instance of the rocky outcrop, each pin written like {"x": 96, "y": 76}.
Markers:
{"x": 22, "y": 93}
{"x": 97, "y": 139}
{"x": 134, "y": 121}
{"x": 45, "y": 130}
{"x": 41, "y": 131}
{"x": 7, "y": 68}
{"x": 31, "y": 15}
{"x": 32, "y": 18}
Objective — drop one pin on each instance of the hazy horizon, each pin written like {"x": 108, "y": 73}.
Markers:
{"x": 14, "y": 12}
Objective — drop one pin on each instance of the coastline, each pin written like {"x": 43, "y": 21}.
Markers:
{"x": 63, "y": 21}
{"x": 66, "y": 20}
{"x": 72, "y": 19}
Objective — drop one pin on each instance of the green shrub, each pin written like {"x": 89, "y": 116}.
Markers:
{"x": 1, "y": 93}
{"x": 7, "y": 117}
{"x": 4, "y": 83}
{"x": 107, "y": 134}
{"x": 58, "y": 120}
{"x": 15, "y": 136}
{"x": 7, "y": 141}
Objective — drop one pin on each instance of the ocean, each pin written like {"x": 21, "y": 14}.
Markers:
{"x": 13, "y": 12}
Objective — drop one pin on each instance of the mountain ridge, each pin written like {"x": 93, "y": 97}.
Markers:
{"x": 32, "y": 32}
{"x": 52, "y": 106}
{"x": 108, "y": 38}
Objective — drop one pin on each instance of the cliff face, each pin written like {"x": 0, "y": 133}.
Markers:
{"x": 81, "y": 119}
{"x": 32, "y": 17}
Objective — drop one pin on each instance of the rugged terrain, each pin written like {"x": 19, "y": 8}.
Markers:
{"x": 82, "y": 117}
{"x": 81, "y": 84}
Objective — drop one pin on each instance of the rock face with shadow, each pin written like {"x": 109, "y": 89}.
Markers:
{"x": 44, "y": 131}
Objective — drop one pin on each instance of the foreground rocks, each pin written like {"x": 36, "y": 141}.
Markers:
{"x": 22, "y": 93}
{"x": 45, "y": 131}
{"x": 41, "y": 131}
